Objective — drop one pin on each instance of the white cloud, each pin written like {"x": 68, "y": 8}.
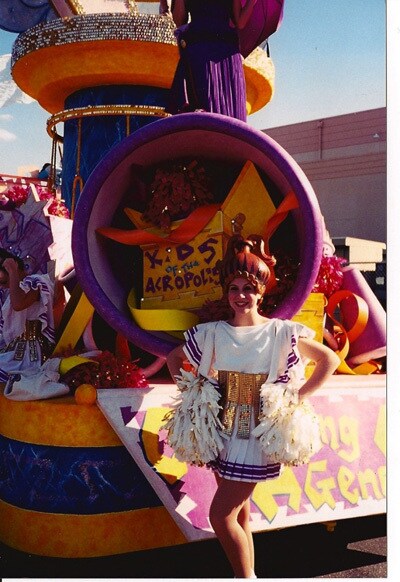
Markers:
{"x": 7, "y": 135}
{"x": 5, "y": 61}
{"x": 5, "y": 117}
{"x": 9, "y": 92}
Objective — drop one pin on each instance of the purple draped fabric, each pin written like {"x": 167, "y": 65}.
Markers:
{"x": 19, "y": 15}
{"x": 210, "y": 74}
{"x": 264, "y": 21}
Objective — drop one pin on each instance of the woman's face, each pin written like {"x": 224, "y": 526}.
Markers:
{"x": 243, "y": 297}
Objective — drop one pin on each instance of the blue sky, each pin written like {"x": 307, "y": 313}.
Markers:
{"x": 330, "y": 59}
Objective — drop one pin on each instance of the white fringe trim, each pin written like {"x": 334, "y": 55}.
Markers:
{"x": 289, "y": 432}
{"x": 193, "y": 423}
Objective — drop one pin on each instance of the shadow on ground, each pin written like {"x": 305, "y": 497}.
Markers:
{"x": 299, "y": 552}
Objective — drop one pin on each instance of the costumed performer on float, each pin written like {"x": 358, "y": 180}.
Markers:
{"x": 164, "y": 7}
{"x": 27, "y": 321}
{"x": 209, "y": 75}
{"x": 242, "y": 412}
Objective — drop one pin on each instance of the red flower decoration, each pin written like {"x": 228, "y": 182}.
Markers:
{"x": 330, "y": 275}
{"x": 18, "y": 195}
{"x": 57, "y": 207}
{"x": 175, "y": 191}
{"x": 286, "y": 270}
{"x": 117, "y": 372}
{"x": 105, "y": 371}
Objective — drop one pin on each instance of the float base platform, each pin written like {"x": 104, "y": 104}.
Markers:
{"x": 69, "y": 487}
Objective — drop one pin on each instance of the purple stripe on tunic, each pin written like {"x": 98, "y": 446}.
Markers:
{"x": 292, "y": 357}
{"x": 284, "y": 379}
{"x": 49, "y": 333}
{"x": 292, "y": 360}
{"x": 34, "y": 283}
{"x": 192, "y": 347}
{"x": 227, "y": 469}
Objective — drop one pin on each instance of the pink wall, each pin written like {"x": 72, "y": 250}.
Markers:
{"x": 344, "y": 157}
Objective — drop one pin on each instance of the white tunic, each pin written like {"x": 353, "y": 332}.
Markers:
{"x": 269, "y": 348}
{"x": 12, "y": 324}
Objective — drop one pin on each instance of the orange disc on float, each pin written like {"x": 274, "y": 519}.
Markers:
{"x": 86, "y": 394}
{"x": 55, "y": 59}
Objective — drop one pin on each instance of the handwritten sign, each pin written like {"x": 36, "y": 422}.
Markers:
{"x": 184, "y": 276}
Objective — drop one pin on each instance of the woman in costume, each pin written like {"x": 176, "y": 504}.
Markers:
{"x": 164, "y": 7}
{"x": 257, "y": 366}
{"x": 209, "y": 74}
{"x": 26, "y": 323}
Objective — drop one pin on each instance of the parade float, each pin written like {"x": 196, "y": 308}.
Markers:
{"x": 93, "y": 480}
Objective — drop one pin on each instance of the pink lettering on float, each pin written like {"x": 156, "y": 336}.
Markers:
{"x": 348, "y": 473}
{"x": 346, "y": 478}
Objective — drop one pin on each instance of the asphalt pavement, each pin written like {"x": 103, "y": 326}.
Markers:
{"x": 355, "y": 549}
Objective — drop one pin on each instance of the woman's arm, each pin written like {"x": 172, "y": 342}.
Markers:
{"x": 326, "y": 362}
{"x": 241, "y": 14}
{"x": 175, "y": 361}
{"x": 165, "y": 7}
{"x": 179, "y": 12}
{"x": 18, "y": 298}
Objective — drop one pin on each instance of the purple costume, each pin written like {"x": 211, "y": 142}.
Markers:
{"x": 209, "y": 74}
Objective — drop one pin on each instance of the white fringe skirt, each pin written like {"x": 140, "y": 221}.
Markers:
{"x": 243, "y": 459}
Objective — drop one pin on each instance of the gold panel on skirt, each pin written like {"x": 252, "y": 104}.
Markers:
{"x": 240, "y": 395}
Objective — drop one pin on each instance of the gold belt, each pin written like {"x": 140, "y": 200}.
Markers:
{"x": 27, "y": 340}
{"x": 241, "y": 394}
{"x": 32, "y": 330}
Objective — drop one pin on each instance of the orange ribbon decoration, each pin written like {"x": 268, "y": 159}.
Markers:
{"x": 185, "y": 232}
{"x": 288, "y": 203}
{"x": 345, "y": 337}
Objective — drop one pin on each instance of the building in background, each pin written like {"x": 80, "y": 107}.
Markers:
{"x": 344, "y": 158}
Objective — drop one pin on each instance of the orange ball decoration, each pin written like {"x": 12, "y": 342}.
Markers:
{"x": 86, "y": 394}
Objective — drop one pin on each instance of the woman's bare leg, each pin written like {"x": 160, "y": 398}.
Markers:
{"x": 244, "y": 521}
{"x": 229, "y": 501}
